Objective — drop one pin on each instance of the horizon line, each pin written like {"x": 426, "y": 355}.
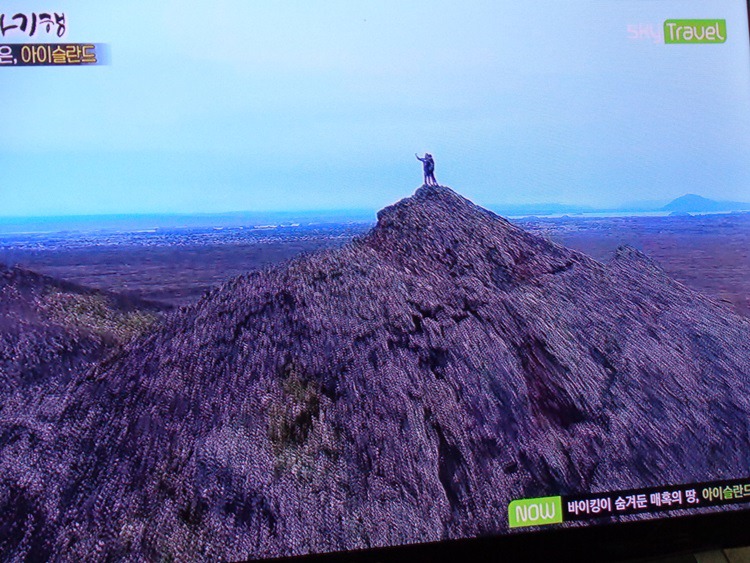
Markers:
{"x": 629, "y": 206}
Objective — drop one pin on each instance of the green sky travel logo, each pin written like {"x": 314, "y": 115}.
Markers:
{"x": 535, "y": 512}
{"x": 695, "y": 31}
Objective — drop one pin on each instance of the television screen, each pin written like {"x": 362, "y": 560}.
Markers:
{"x": 282, "y": 278}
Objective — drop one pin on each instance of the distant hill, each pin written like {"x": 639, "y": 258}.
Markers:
{"x": 698, "y": 204}
{"x": 51, "y": 328}
{"x": 403, "y": 388}
{"x": 689, "y": 203}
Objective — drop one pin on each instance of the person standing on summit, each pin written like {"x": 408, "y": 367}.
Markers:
{"x": 429, "y": 169}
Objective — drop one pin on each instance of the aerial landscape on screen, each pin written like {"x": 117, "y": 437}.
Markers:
{"x": 239, "y": 319}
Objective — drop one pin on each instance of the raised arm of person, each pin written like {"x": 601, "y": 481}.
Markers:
{"x": 418, "y": 157}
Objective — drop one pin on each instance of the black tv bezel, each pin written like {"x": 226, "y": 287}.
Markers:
{"x": 657, "y": 536}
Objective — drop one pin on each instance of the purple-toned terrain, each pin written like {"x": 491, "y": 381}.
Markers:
{"x": 402, "y": 388}
{"x": 50, "y": 329}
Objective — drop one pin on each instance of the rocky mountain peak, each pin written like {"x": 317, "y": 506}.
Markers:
{"x": 437, "y": 229}
{"x": 437, "y": 213}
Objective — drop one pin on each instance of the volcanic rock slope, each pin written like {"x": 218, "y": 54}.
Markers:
{"x": 50, "y": 332}
{"x": 403, "y": 388}
{"x": 50, "y": 329}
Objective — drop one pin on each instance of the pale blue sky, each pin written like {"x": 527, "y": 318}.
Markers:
{"x": 290, "y": 105}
